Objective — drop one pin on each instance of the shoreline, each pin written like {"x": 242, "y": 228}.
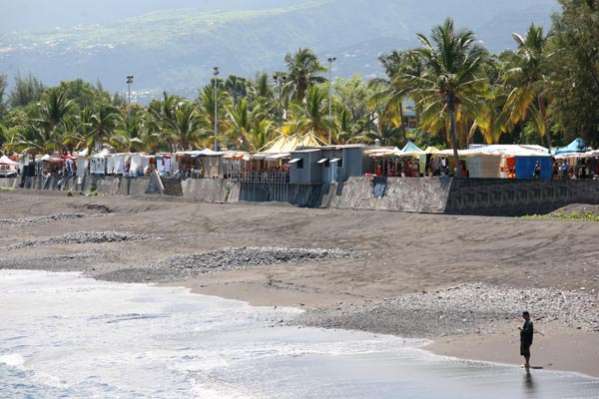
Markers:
{"x": 552, "y": 353}
{"x": 460, "y": 281}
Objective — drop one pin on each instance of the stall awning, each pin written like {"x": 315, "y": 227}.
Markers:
{"x": 323, "y": 160}
{"x": 201, "y": 153}
{"x": 335, "y": 160}
{"x": 276, "y": 157}
{"x": 4, "y": 160}
{"x": 294, "y": 160}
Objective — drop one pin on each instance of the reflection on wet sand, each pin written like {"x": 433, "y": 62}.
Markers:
{"x": 529, "y": 385}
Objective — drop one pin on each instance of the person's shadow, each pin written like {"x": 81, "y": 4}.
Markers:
{"x": 529, "y": 384}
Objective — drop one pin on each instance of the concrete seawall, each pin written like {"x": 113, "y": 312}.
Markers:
{"x": 419, "y": 195}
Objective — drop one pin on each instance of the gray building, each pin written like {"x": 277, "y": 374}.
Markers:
{"x": 326, "y": 165}
{"x": 304, "y": 168}
{"x": 340, "y": 162}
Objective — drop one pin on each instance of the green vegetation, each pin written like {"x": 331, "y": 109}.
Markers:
{"x": 567, "y": 216}
{"x": 545, "y": 91}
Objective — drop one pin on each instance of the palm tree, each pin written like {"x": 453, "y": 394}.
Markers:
{"x": 187, "y": 125}
{"x": 492, "y": 120}
{"x": 10, "y": 139}
{"x": 206, "y": 109}
{"x": 103, "y": 123}
{"x": 128, "y": 136}
{"x": 449, "y": 87}
{"x": 303, "y": 72}
{"x": 528, "y": 80}
{"x": 52, "y": 112}
{"x": 162, "y": 119}
{"x": 312, "y": 116}
{"x": 260, "y": 134}
{"x": 393, "y": 91}
{"x": 239, "y": 120}
{"x": 250, "y": 128}
{"x": 237, "y": 87}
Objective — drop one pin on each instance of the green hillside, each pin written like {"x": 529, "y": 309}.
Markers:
{"x": 176, "y": 49}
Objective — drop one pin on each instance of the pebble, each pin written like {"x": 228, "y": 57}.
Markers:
{"x": 41, "y": 219}
{"x": 240, "y": 258}
{"x": 82, "y": 237}
{"x": 465, "y": 309}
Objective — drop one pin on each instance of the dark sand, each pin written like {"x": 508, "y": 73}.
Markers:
{"x": 396, "y": 254}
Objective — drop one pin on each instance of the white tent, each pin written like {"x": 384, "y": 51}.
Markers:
{"x": 504, "y": 149}
{"x": 4, "y": 160}
{"x": 201, "y": 153}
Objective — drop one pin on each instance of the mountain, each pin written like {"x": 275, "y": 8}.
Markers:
{"x": 173, "y": 45}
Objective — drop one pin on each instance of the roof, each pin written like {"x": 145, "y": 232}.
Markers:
{"x": 343, "y": 146}
{"x": 236, "y": 155}
{"x": 307, "y": 150}
{"x": 501, "y": 150}
{"x": 49, "y": 158}
{"x": 286, "y": 144}
{"x": 382, "y": 151}
{"x": 411, "y": 147}
{"x": 201, "y": 153}
{"x": 576, "y": 146}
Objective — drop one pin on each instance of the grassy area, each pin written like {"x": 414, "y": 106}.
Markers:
{"x": 568, "y": 216}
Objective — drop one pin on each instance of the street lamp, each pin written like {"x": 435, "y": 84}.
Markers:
{"x": 129, "y": 83}
{"x": 331, "y": 61}
{"x": 215, "y": 84}
{"x": 280, "y": 78}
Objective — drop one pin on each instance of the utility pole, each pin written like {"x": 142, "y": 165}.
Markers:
{"x": 331, "y": 61}
{"x": 129, "y": 83}
{"x": 215, "y": 84}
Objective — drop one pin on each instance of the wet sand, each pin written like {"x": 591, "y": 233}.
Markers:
{"x": 396, "y": 254}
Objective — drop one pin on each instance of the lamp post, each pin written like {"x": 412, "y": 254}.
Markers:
{"x": 215, "y": 84}
{"x": 331, "y": 61}
{"x": 129, "y": 81}
{"x": 279, "y": 78}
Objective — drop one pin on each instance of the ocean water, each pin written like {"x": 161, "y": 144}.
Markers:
{"x": 65, "y": 336}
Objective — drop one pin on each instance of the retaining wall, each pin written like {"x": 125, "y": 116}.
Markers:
{"x": 420, "y": 195}
{"x": 210, "y": 190}
{"x": 518, "y": 197}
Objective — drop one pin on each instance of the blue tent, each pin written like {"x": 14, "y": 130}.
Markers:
{"x": 525, "y": 167}
{"x": 411, "y": 147}
{"x": 577, "y": 145}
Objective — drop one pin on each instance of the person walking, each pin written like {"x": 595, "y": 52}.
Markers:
{"x": 526, "y": 337}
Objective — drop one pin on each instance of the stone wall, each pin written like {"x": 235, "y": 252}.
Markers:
{"x": 500, "y": 197}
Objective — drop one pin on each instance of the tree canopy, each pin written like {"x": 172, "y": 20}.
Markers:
{"x": 449, "y": 91}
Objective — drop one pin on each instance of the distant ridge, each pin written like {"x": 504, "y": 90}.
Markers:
{"x": 173, "y": 47}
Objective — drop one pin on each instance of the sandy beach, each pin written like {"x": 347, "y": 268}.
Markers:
{"x": 459, "y": 281}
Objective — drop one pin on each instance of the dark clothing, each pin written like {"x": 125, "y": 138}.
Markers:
{"x": 524, "y": 350}
{"x": 527, "y": 333}
{"x": 526, "y": 336}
